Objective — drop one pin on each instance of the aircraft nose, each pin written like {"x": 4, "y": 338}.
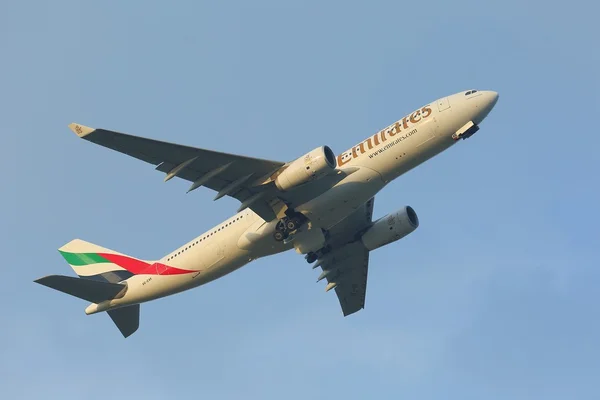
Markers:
{"x": 492, "y": 98}
{"x": 485, "y": 104}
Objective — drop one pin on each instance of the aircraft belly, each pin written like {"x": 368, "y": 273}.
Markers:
{"x": 255, "y": 233}
{"x": 342, "y": 199}
{"x": 235, "y": 260}
{"x": 258, "y": 240}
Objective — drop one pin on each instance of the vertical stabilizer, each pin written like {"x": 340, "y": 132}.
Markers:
{"x": 127, "y": 319}
{"x": 94, "y": 262}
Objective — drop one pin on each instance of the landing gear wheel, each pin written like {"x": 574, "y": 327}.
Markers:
{"x": 280, "y": 227}
{"x": 311, "y": 258}
{"x": 291, "y": 225}
{"x": 279, "y": 236}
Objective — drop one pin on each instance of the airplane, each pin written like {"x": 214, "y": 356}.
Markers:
{"x": 319, "y": 204}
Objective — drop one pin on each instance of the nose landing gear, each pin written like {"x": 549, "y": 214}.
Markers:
{"x": 466, "y": 131}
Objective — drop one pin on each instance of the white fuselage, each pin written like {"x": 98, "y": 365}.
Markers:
{"x": 377, "y": 161}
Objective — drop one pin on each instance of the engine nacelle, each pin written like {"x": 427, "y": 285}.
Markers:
{"x": 390, "y": 228}
{"x": 307, "y": 168}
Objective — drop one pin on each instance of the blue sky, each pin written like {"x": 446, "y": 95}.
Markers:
{"x": 494, "y": 296}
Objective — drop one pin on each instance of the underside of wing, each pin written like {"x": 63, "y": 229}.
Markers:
{"x": 228, "y": 174}
{"x": 350, "y": 228}
{"x": 345, "y": 267}
{"x": 346, "y": 270}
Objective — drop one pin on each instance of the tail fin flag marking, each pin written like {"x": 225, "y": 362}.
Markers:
{"x": 94, "y": 262}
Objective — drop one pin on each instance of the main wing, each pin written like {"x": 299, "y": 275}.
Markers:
{"x": 346, "y": 266}
{"x": 346, "y": 270}
{"x": 229, "y": 174}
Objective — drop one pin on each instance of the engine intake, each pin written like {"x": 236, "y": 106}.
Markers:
{"x": 390, "y": 228}
{"x": 309, "y": 167}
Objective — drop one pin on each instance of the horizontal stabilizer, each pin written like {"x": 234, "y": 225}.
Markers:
{"x": 127, "y": 319}
{"x": 86, "y": 289}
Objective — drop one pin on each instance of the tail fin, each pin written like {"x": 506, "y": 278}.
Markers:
{"x": 91, "y": 261}
{"x": 103, "y": 272}
{"x": 126, "y": 318}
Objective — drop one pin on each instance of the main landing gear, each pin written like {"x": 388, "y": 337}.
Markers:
{"x": 314, "y": 256}
{"x": 287, "y": 226}
{"x": 311, "y": 257}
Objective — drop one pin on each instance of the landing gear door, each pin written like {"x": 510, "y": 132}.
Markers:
{"x": 443, "y": 104}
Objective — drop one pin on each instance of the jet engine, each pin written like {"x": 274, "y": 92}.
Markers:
{"x": 311, "y": 166}
{"x": 391, "y": 228}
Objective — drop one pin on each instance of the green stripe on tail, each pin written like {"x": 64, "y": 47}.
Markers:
{"x": 79, "y": 259}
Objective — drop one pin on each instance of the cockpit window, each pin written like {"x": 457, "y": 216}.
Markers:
{"x": 470, "y": 92}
